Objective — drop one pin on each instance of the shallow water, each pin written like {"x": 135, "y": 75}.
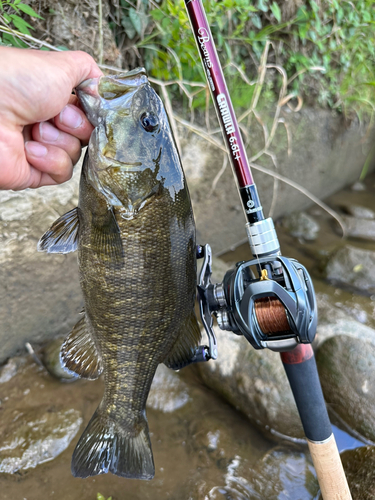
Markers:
{"x": 203, "y": 448}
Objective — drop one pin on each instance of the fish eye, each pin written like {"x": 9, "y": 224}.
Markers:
{"x": 149, "y": 122}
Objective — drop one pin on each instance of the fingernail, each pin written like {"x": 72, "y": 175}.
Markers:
{"x": 48, "y": 132}
{"x": 36, "y": 149}
{"x": 70, "y": 117}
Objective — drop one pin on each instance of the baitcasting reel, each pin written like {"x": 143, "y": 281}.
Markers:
{"x": 270, "y": 300}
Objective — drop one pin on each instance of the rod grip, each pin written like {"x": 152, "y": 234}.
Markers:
{"x": 329, "y": 469}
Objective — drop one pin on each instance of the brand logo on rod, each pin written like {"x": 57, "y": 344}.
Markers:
{"x": 204, "y": 38}
{"x": 225, "y": 113}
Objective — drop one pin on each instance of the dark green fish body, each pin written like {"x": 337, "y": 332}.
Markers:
{"x": 135, "y": 234}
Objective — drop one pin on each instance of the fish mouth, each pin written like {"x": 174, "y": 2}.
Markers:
{"x": 113, "y": 86}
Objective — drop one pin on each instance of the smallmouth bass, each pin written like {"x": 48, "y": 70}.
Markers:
{"x": 135, "y": 235}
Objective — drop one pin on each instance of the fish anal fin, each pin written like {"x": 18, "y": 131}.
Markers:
{"x": 79, "y": 353}
{"x": 184, "y": 348}
{"x": 107, "y": 446}
{"x": 62, "y": 236}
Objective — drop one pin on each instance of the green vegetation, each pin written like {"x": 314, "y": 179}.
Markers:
{"x": 10, "y": 16}
{"x": 99, "y": 496}
{"x": 327, "y": 47}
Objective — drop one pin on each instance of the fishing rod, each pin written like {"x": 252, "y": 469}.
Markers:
{"x": 269, "y": 299}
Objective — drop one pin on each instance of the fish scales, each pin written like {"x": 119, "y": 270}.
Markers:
{"x": 148, "y": 304}
{"x": 135, "y": 234}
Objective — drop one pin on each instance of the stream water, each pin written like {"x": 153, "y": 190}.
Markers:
{"x": 204, "y": 449}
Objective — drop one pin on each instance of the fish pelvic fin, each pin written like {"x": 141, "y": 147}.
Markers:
{"x": 107, "y": 446}
{"x": 62, "y": 236}
{"x": 79, "y": 353}
{"x": 184, "y": 348}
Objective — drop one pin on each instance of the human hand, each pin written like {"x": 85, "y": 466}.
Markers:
{"x": 41, "y": 128}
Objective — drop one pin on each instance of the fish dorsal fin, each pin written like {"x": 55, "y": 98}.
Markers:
{"x": 62, "y": 236}
{"x": 79, "y": 353}
{"x": 187, "y": 341}
{"x": 106, "y": 235}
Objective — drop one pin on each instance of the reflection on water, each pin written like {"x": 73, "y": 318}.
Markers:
{"x": 344, "y": 440}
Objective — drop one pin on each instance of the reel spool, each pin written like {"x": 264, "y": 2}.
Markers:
{"x": 275, "y": 310}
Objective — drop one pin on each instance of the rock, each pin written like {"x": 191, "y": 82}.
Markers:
{"x": 359, "y": 466}
{"x": 346, "y": 369}
{"x": 255, "y": 383}
{"x": 354, "y": 267}
{"x": 34, "y": 436}
{"x": 168, "y": 392}
{"x": 358, "y": 211}
{"x": 302, "y": 225}
{"x": 359, "y": 228}
{"x": 10, "y": 369}
{"x": 358, "y": 186}
{"x": 40, "y": 296}
{"x": 319, "y": 138}
{"x": 334, "y": 320}
{"x": 280, "y": 474}
{"x": 219, "y": 268}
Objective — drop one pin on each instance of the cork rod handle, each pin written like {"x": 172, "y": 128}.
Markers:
{"x": 329, "y": 469}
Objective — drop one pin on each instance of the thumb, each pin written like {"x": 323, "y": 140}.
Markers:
{"x": 80, "y": 66}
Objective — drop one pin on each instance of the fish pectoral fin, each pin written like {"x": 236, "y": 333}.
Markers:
{"x": 79, "y": 353}
{"x": 107, "y": 445}
{"x": 106, "y": 235}
{"x": 62, "y": 236}
{"x": 185, "y": 346}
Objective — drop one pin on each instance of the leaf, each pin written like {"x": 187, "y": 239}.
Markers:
{"x": 275, "y": 9}
{"x": 12, "y": 40}
{"x": 262, "y": 5}
{"x": 99, "y": 496}
{"x": 21, "y": 24}
{"x": 139, "y": 20}
{"x": 256, "y": 21}
{"x": 157, "y": 14}
{"x": 128, "y": 27}
{"x": 28, "y": 10}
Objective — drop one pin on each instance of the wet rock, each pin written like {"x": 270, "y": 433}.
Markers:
{"x": 302, "y": 225}
{"x": 255, "y": 383}
{"x": 358, "y": 186}
{"x": 358, "y": 211}
{"x": 282, "y": 473}
{"x": 359, "y": 228}
{"x": 353, "y": 267}
{"x": 35, "y": 436}
{"x": 346, "y": 369}
{"x": 10, "y": 369}
{"x": 359, "y": 466}
{"x": 168, "y": 392}
{"x": 341, "y": 318}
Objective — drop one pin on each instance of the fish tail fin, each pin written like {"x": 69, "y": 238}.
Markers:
{"x": 107, "y": 446}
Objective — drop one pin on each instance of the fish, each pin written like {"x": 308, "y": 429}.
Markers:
{"x": 134, "y": 231}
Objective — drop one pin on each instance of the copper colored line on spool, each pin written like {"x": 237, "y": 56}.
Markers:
{"x": 271, "y": 315}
